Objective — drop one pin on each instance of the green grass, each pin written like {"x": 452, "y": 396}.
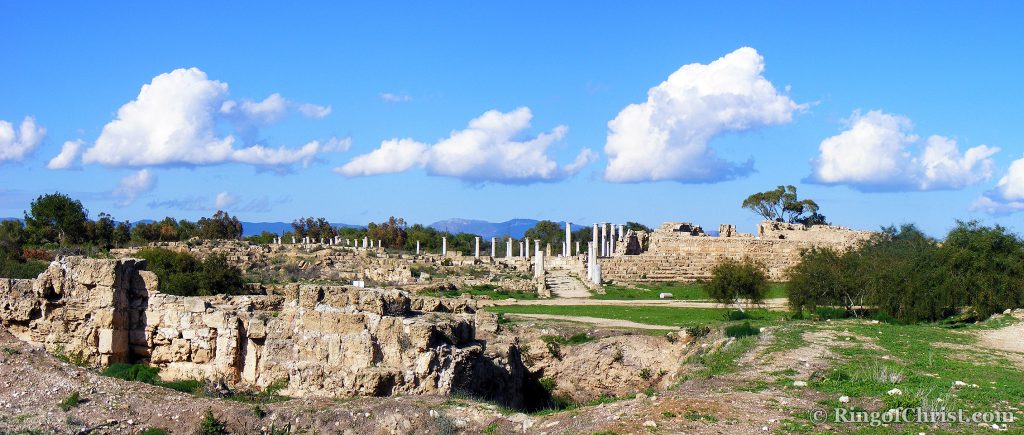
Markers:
{"x": 148, "y": 374}
{"x": 667, "y": 316}
{"x": 488, "y": 290}
{"x": 684, "y": 291}
{"x": 923, "y": 361}
{"x": 721, "y": 361}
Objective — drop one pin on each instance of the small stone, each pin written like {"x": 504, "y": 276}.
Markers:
{"x": 844, "y": 399}
{"x": 895, "y": 392}
{"x": 799, "y": 383}
{"x": 650, "y": 423}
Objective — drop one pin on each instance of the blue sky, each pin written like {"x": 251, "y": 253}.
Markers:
{"x": 484, "y": 110}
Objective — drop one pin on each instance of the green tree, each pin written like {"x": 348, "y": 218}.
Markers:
{"x": 826, "y": 278}
{"x": 315, "y": 228}
{"x": 391, "y": 233}
{"x": 903, "y": 276}
{"x": 547, "y": 232}
{"x": 783, "y": 205}
{"x": 732, "y": 281}
{"x": 56, "y": 218}
{"x": 101, "y": 231}
{"x": 220, "y": 226}
{"x": 635, "y": 226}
{"x": 182, "y": 274}
{"x": 985, "y": 267}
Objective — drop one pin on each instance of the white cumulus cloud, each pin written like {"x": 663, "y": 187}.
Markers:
{"x": 667, "y": 136}
{"x": 1008, "y": 196}
{"x": 224, "y": 200}
{"x": 175, "y": 121}
{"x": 388, "y": 97}
{"x": 68, "y": 153}
{"x": 15, "y": 145}
{"x": 491, "y": 148}
{"x": 879, "y": 151}
{"x": 131, "y": 186}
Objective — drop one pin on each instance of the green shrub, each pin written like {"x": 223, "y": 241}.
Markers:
{"x": 209, "y": 425}
{"x": 742, "y": 330}
{"x": 732, "y": 281}
{"x": 149, "y": 375}
{"x": 70, "y": 402}
{"x": 183, "y": 274}
{"x": 17, "y": 269}
{"x": 698, "y": 331}
{"x": 154, "y": 431}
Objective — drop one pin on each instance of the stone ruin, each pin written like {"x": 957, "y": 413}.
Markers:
{"x": 334, "y": 341}
{"x": 682, "y": 251}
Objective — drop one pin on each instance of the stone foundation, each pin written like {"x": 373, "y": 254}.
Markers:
{"x": 332, "y": 341}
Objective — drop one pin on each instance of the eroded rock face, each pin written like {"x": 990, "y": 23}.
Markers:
{"x": 323, "y": 340}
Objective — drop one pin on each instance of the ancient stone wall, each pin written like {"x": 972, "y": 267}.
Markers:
{"x": 680, "y": 252}
{"x": 322, "y": 340}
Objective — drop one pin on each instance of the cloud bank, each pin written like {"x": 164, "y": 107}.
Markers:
{"x": 1008, "y": 196}
{"x": 15, "y": 145}
{"x": 879, "y": 152}
{"x": 491, "y": 149}
{"x": 178, "y": 117}
{"x": 131, "y": 186}
{"x": 667, "y": 136}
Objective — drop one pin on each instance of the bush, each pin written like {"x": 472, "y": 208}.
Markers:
{"x": 17, "y": 269}
{"x": 149, "y": 375}
{"x": 210, "y": 425}
{"x": 736, "y": 315}
{"x": 70, "y": 402}
{"x": 825, "y": 277}
{"x": 985, "y": 267}
{"x": 733, "y": 280}
{"x": 740, "y": 331}
{"x": 183, "y": 274}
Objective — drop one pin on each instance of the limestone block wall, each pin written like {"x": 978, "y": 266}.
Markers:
{"x": 682, "y": 256}
{"x": 322, "y": 340}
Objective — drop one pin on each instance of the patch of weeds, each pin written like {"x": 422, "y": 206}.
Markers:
{"x": 271, "y": 394}
{"x": 698, "y": 331}
{"x": 491, "y": 428}
{"x": 554, "y": 348}
{"x": 210, "y": 425}
{"x": 694, "y": 415}
{"x": 645, "y": 373}
{"x": 741, "y": 330}
{"x": 154, "y": 431}
{"x": 10, "y": 351}
{"x": 617, "y": 355}
{"x": 69, "y": 402}
{"x": 668, "y": 414}
{"x": 722, "y": 360}
{"x": 733, "y": 315}
{"x": 78, "y": 358}
{"x": 444, "y": 425}
{"x": 148, "y": 375}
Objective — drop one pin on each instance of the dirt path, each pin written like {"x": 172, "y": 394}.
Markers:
{"x": 608, "y": 323}
{"x": 1006, "y": 339}
{"x": 565, "y": 286}
{"x": 771, "y": 304}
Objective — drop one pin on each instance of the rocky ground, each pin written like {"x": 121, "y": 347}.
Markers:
{"x": 762, "y": 391}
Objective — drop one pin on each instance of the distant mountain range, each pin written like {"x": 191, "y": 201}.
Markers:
{"x": 514, "y": 228}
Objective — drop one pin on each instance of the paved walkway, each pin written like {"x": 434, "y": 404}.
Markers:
{"x": 565, "y": 286}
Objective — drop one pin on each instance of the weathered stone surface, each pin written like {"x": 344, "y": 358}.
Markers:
{"x": 324, "y": 340}
{"x": 682, "y": 252}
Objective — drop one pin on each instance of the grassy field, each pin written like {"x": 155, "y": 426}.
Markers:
{"x": 667, "y": 316}
{"x": 685, "y": 291}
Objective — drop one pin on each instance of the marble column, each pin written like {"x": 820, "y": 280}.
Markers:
{"x": 591, "y": 259}
{"x": 444, "y": 246}
{"x": 521, "y": 251}
{"x": 476, "y": 252}
{"x": 568, "y": 240}
{"x": 417, "y": 247}
{"x": 538, "y": 263}
{"x": 365, "y": 241}
{"x": 577, "y": 251}
{"x": 494, "y": 246}
{"x": 508, "y": 248}
{"x": 593, "y": 244}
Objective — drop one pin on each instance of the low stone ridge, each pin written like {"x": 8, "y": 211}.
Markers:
{"x": 333, "y": 341}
